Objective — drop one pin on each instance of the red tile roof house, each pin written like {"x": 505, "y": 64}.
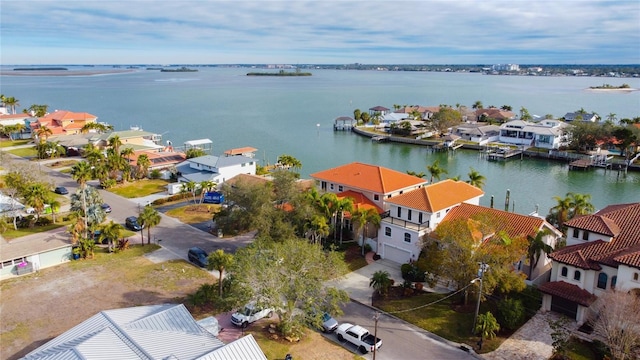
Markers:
{"x": 63, "y": 122}
{"x": 368, "y": 185}
{"x": 602, "y": 252}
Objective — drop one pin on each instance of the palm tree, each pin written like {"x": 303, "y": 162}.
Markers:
{"x": 81, "y": 172}
{"x": 477, "y": 105}
{"x": 115, "y": 143}
{"x": 536, "y": 247}
{"x": 190, "y": 187}
{"x": 506, "y": 107}
{"x": 363, "y": 217}
{"x": 381, "y": 281}
{"x": 219, "y": 260}
{"x": 36, "y": 195}
{"x": 149, "y": 217}
{"x": 12, "y": 103}
{"x": 112, "y": 232}
{"x": 560, "y": 213}
{"x": 206, "y": 186}
{"x": 316, "y": 228}
{"x": 580, "y": 204}
{"x": 343, "y": 205}
{"x": 127, "y": 152}
{"x": 435, "y": 170}
{"x": 54, "y": 204}
{"x": 475, "y": 179}
{"x": 612, "y": 117}
{"x": 143, "y": 165}
{"x": 43, "y": 133}
{"x": 416, "y": 174}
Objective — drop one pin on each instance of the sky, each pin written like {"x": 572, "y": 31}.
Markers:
{"x": 319, "y": 32}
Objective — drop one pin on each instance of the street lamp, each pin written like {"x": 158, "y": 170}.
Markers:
{"x": 481, "y": 271}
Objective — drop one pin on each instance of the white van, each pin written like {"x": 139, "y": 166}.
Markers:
{"x": 249, "y": 314}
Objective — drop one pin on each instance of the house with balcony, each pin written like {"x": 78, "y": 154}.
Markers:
{"x": 413, "y": 214}
{"x": 602, "y": 253}
{"x": 548, "y": 134}
{"x": 481, "y": 134}
{"x": 64, "y": 122}
{"x": 215, "y": 168}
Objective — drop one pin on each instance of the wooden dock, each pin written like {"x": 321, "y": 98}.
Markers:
{"x": 503, "y": 154}
{"x": 580, "y": 164}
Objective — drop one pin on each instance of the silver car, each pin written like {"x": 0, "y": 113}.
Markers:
{"x": 329, "y": 324}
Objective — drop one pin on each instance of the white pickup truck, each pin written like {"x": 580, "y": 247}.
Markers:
{"x": 358, "y": 336}
{"x": 250, "y": 313}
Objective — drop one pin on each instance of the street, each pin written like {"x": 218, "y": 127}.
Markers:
{"x": 400, "y": 340}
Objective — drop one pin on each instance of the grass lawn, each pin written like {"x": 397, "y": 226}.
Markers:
{"x": 13, "y": 234}
{"x": 25, "y": 152}
{"x": 192, "y": 214}
{"x": 439, "y": 318}
{"x": 8, "y": 143}
{"x": 62, "y": 163}
{"x": 140, "y": 188}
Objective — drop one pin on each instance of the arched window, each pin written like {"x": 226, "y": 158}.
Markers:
{"x": 565, "y": 271}
{"x": 602, "y": 280}
{"x": 576, "y": 275}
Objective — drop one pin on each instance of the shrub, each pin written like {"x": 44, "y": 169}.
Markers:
{"x": 155, "y": 174}
{"x": 159, "y": 201}
{"x": 405, "y": 269}
{"x": 43, "y": 221}
{"x": 511, "y": 313}
{"x": 412, "y": 272}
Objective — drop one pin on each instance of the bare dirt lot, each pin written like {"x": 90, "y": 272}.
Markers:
{"x": 38, "y": 307}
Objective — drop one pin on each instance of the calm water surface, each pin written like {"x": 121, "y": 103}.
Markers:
{"x": 294, "y": 116}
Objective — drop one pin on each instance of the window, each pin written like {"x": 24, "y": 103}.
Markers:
{"x": 399, "y": 212}
{"x": 576, "y": 275}
{"x": 635, "y": 276}
{"x": 340, "y": 188}
{"x": 438, "y": 215}
{"x": 323, "y": 185}
{"x": 407, "y": 237}
{"x": 409, "y": 214}
{"x": 614, "y": 279}
{"x": 331, "y": 186}
{"x": 387, "y": 231}
{"x": 376, "y": 197}
{"x": 602, "y": 280}
{"x": 565, "y": 271}
{"x": 576, "y": 233}
{"x": 419, "y": 218}
{"x": 243, "y": 164}
{"x": 585, "y": 235}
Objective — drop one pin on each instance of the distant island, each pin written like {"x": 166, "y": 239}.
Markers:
{"x": 40, "y": 69}
{"x": 280, "y": 73}
{"x": 182, "y": 69}
{"x": 607, "y": 86}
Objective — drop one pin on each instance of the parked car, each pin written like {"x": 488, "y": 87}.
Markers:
{"x": 106, "y": 208}
{"x": 358, "y": 336}
{"x": 249, "y": 314}
{"x": 61, "y": 190}
{"x": 198, "y": 257}
{"x": 132, "y": 223}
{"x": 329, "y": 324}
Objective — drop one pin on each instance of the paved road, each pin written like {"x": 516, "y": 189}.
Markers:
{"x": 400, "y": 340}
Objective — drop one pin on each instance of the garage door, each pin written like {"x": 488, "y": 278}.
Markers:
{"x": 564, "y": 306}
{"x": 394, "y": 254}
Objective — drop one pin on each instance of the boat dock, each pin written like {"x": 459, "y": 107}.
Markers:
{"x": 380, "y": 138}
{"x": 502, "y": 153}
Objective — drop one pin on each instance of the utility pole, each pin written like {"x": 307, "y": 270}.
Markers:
{"x": 483, "y": 267}
{"x": 375, "y": 333}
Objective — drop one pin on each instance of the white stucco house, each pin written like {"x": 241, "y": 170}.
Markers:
{"x": 548, "y": 134}
{"x": 479, "y": 133}
{"x": 215, "y": 168}
{"x": 602, "y": 253}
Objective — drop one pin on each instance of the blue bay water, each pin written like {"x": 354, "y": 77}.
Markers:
{"x": 294, "y": 115}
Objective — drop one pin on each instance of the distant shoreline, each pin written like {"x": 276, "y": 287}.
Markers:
{"x": 624, "y": 90}
{"x": 63, "y": 72}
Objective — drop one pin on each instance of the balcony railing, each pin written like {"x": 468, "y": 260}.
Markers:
{"x": 405, "y": 224}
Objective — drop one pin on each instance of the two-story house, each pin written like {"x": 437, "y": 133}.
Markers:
{"x": 412, "y": 214}
{"x": 548, "y": 134}
{"x": 602, "y": 253}
{"x": 215, "y": 168}
{"x": 63, "y": 122}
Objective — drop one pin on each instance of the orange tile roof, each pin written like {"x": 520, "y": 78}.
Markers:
{"x": 240, "y": 151}
{"x": 439, "y": 196}
{"x": 360, "y": 202}
{"x": 621, "y": 222}
{"x": 367, "y": 177}
{"x": 568, "y": 291}
{"x": 515, "y": 225}
{"x": 60, "y": 115}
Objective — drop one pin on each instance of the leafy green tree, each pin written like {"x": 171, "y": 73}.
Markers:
{"x": 436, "y": 171}
{"x": 248, "y": 205}
{"x": 289, "y": 276}
{"x": 487, "y": 325}
{"x": 445, "y": 118}
{"x": 220, "y": 260}
{"x": 289, "y": 162}
{"x": 285, "y": 188}
{"x": 381, "y": 282}
{"x": 365, "y": 117}
{"x": 149, "y": 217}
{"x": 317, "y": 228}
{"x": 626, "y": 137}
{"x": 194, "y": 153}
{"x": 511, "y": 313}
{"x": 506, "y": 107}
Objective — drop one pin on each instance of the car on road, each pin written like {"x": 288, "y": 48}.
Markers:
{"x": 198, "y": 256}
{"x": 106, "y": 208}
{"x": 329, "y": 324}
{"x": 358, "y": 336}
{"x": 250, "y": 313}
{"x": 61, "y": 190}
{"x": 132, "y": 223}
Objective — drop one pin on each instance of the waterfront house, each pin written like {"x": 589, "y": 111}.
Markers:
{"x": 64, "y": 122}
{"x": 166, "y": 331}
{"x": 344, "y": 123}
{"x": 393, "y": 118}
{"x": 480, "y": 134}
{"x": 580, "y": 116}
{"x": 369, "y": 186}
{"x": 215, "y": 168}
{"x": 413, "y": 214}
{"x": 426, "y": 112}
{"x": 548, "y": 134}
{"x": 135, "y": 139}
{"x": 20, "y": 123}
{"x": 381, "y": 110}
{"x": 486, "y": 115}
{"x": 602, "y": 253}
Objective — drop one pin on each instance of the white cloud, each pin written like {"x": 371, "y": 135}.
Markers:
{"x": 320, "y": 31}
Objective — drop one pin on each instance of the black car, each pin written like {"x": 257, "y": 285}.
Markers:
{"x": 198, "y": 256}
{"x": 106, "y": 208}
{"x": 132, "y": 223}
{"x": 61, "y": 190}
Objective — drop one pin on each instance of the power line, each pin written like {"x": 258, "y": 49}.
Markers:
{"x": 429, "y": 304}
